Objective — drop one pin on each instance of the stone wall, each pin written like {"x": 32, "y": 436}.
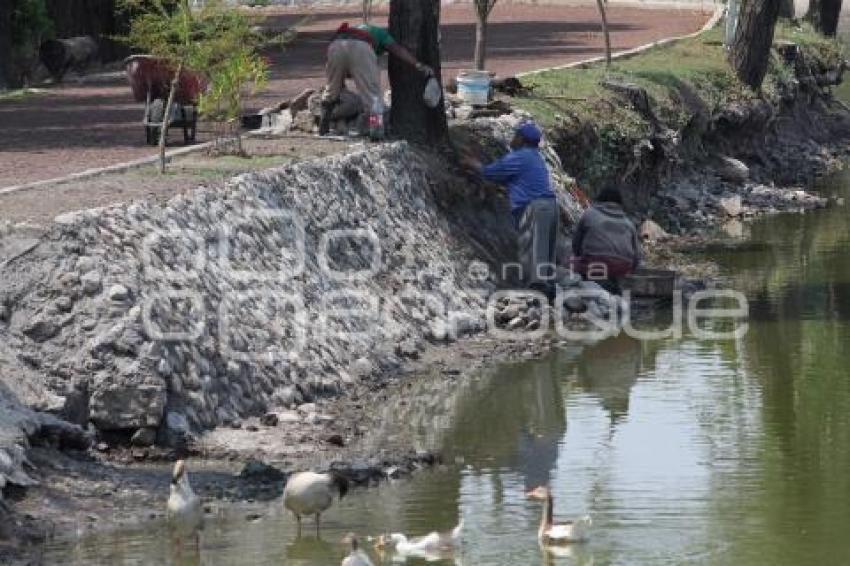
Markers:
{"x": 219, "y": 304}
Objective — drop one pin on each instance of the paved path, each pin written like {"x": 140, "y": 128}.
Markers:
{"x": 76, "y": 127}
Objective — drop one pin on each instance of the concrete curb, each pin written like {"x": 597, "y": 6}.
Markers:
{"x": 122, "y": 167}
{"x": 719, "y": 10}
{"x": 117, "y": 168}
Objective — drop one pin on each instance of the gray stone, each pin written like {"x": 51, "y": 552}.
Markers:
{"x": 92, "y": 282}
{"x": 42, "y": 328}
{"x": 269, "y": 419}
{"x": 143, "y": 437}
{"x": 118, "y": 293}
{"x": 733, "y": 170}
{"x": 127, "y": 406}
{"x": 651, "y": 232}
{"x": 731, "y": 206}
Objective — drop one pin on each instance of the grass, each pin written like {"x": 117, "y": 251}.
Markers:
{"x": 675, "y": 76}
{"x": 20, "y": 94}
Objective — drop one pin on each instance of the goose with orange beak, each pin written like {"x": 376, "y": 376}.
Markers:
{"x": 550, "y": 533}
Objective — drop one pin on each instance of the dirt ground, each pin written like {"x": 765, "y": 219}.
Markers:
{"x": 95, "y": 123}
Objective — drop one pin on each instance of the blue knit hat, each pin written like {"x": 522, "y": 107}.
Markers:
{"x": 530, "y": 132}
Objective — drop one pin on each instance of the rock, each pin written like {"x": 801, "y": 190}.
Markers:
{"x": 118, "y": 293}
{"x": 408, "y": 349}
{"x": 41, "y": 328}
{"x": 102, "y": 447}
{"x": 733, "y": 170}
{"x": 130, "y": 406}
{"x": 252, "y": 428}
{"x": 260, "y": 471}
{"x": 335, "y": 440}
{"x": 307, "y": 408}
{"x": 299, "y": 103}
{"x": 574, "y": 304}
{"x": 269, "y": 419}
{"x": 143, "y": 437}
{"x": 64, "y": 304}
{"x": 393, "y": 473}
{"x": 731, "y": 206}
{"x": 651, "y": 232}
{"x": 516, "y": 323}
{"x": 288, "y": 417}
{"x": 304, "y": 121}
{"x": 362, "y": 367}
{"x": 92, "y": 282}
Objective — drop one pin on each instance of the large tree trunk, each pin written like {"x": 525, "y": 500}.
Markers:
{"x": 5, "y": 44}
{"x": 416, "y": 26}
{"x": 750, "y": 53}
{"x": 824, "y": 14}
{"x": 786, "y": 9}
{"x": 480, "y": 43}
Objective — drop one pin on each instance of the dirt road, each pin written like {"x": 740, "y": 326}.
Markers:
{"x": 81, "y": 126}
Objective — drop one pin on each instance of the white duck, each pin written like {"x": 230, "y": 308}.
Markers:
{"x": 309, "y": 493}
{"x": 565, "y": 533}
{"x": 357, "y": 557}
{"x": 184, "y": 509}
{"x": 432, "y": 544}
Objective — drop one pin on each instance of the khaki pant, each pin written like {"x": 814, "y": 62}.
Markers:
{"x": 356, "y": 59}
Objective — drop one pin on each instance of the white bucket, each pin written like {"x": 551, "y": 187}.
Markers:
{"x": 473, "y": 87}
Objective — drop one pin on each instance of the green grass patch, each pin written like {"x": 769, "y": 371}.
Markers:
{"x": 20, "y": 94}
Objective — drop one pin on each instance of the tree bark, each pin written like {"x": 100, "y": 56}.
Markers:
{"x": 786, "y": 9}
{"x": 166, "y": 117}
{"x": 5, "y": 45}
{"x": 602, "y": 14}
{"x": 416, "y": 26}
{"x": 750, "y": 53}
{"x": 823, "y": 15}
{"x": 480, "y": 43}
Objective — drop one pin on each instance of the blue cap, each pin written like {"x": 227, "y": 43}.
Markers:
{"x": 530, "y": 132}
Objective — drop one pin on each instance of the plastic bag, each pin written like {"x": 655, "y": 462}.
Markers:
{"x": 433, "y": 93}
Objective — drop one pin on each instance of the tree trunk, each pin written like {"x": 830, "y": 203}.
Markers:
{"x": 605, "y": 32}
{"x": 416, "y": 26}
{"x": 480, "y": 43}
{"x": 166, "y": 117}
{"x": 5, "y": 45}
{"x": 786, "y": 9}
{"x": 824, "y": 14}
{"x": 750, "y": 53}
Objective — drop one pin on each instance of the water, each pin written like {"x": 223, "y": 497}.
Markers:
{"x": 683, "y": 451}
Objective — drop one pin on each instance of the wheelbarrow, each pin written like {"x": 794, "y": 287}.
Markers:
{"x": 150, "y": 81}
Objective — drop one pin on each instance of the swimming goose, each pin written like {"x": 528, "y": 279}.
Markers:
{"x": 184, "y": 506}
{"x": 564, "y": 533}
{"x": 309, "y": 493}
{"x": 424, "y": 546}
{"x": 357, "y": 556}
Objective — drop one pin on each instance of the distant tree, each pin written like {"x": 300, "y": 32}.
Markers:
{"x": 786, "y": 9}
{"x": 367, "y": 11}
{"x": 824, "y": 14}
{"x": 213, "y": 39}
{"x": 416, "y": 26}
{"x": 604, "y": 16}
{"x": 750, "y": 52}
{"x": 482, "y": 13}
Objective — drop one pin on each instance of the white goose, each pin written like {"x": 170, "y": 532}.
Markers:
{"x": 309, "y": 493}
{"x": 430, "y": 545}
{"x": 184, "y": 509}
{"x": 565, "y": 533}
{"x": 357, "y": 557}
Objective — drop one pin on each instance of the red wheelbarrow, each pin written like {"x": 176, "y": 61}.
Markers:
{"x": 150, "y": 80}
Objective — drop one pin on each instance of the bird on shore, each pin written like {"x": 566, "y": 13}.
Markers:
{"x": 184, "y": 510}
{"x": 309, "y": 493}
{"x": 550, "y": 533}
{"x": 357, "y": 557}
{"x": 430, "y": 545}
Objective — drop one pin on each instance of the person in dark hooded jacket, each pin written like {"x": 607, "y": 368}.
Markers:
{"x": 606, "y": 244}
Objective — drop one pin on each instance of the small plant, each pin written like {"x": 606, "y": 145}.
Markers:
{"x": 215, "y": 40}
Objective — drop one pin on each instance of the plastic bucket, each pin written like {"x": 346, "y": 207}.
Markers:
{"x": 473, "y": 87}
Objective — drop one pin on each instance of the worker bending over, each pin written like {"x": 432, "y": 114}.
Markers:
{"x": 354, "y": 53}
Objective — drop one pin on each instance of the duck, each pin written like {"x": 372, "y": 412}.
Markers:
{"x": 311, "y": 493}
{"x": 357, "y": 557}
{"x": 184, "y": 510}
{"x": 425, "y": 546}
{"x": 550, "y": 533}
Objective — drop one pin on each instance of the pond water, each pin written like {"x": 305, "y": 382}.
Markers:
{"x": 682, "y": 450}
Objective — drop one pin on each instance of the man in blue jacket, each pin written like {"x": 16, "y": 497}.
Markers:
{"x": 533, "y": 206}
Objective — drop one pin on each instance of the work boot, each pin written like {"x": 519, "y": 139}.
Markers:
{"x": 325, "y": 117}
